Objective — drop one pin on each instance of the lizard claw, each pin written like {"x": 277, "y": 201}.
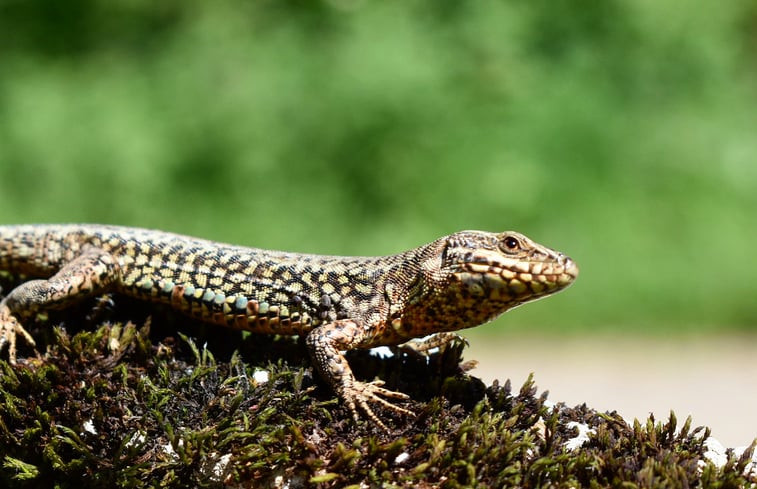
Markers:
{"x": 9, "y": 329}
{"x": 360, "y": 394}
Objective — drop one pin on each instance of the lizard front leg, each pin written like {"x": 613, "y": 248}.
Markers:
{"x": 422, "y": 346}
{"x": 324, "y": 344}
{"x": 88, "y": 274}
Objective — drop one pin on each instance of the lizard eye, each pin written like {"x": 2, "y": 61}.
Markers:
{"x": 510, "y": 244}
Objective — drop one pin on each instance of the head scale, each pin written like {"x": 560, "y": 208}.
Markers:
{"x": 474, "y": 276}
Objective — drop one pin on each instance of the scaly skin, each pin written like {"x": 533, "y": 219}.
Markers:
{"x": 338, "y": 303}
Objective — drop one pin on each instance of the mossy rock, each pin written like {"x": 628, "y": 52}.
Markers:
{"x": 116, "y": 405}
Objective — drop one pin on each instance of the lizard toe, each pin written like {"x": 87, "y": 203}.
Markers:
{"x": 363, "y": 394}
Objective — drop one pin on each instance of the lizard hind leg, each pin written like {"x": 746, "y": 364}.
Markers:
{"x": 324, "y": 344}
{"x": 10, "y": 328}
{"x": 89, "y": 273}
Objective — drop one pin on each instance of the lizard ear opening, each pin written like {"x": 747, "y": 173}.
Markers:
{"x": 433, "y": 266}
{"x": 451, "y": 248}
{"x": 445, "y": 248}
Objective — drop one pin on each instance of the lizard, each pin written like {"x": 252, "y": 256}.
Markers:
{"x": 338, "y": 303}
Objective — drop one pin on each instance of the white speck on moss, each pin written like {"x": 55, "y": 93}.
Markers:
{"x": 220, "y": 467}
{"x": 718, "y": 455}
{"x": 582, "y": 437}
{"x": 168, "y": 449}
{"x": 89, "y": 427}
{"x": 716, "y": 452}
{"x": 261, "y": 376}
{"x": 136, "y": 439}
{"x": 278, "y": 482}
{"x": 382, "y": 352}
{"x": 401, "y": 458}
{"x": 751, "y": 467}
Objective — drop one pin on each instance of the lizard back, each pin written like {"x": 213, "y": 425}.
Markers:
{"x": 246, "y": 288}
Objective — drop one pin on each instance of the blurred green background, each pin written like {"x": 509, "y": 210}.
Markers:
{"x": 622, "y": 132}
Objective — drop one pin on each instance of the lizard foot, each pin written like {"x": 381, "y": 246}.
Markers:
{"x": 9, "y": 329}
{"x": 422, "y": 346}
{"x": 359, "y": 394}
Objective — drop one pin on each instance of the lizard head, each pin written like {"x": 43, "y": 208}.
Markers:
{"x": 505, "y": 266}
{"x": 471, "y": 277}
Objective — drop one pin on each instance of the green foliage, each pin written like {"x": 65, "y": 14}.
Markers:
{"x": 621, "y": 132}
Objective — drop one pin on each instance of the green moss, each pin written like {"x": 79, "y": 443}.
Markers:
{"x": 123, "y": 407}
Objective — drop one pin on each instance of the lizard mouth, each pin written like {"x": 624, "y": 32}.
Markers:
{"x": 561, "y": 272}
{"x": 520, "y": 278}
